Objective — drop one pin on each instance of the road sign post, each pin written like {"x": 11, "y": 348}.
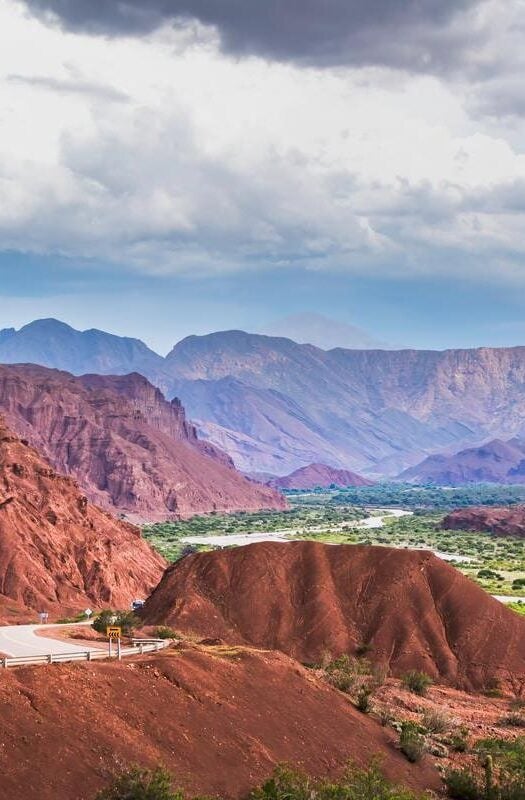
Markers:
{"x": 114, "y": 632}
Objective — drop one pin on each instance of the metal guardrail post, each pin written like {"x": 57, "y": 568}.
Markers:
{"x": 88, "y": 655}
{"x": 50, "y": 658}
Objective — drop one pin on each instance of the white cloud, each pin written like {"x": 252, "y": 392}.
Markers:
{"x": 166, "y": 155}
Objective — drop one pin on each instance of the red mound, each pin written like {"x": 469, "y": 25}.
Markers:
{"x": 128, "y": 447}
{"x": 305, "y": 598}
{"x": 501, "y": 521}
{"x": 318, "y": 475}
{"x": 219, "y": 721}
{"x": 58, "y": 552}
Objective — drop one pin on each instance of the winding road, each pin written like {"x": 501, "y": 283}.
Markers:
{"x": 22, "y": 640}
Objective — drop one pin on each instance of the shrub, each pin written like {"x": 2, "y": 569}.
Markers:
{"x": 462, "y": 785}
{"x": 417, "y": 682}
{"x": 163, "y": 632}
{"x": 126, "y": 620}
{"x": 436, "y": 721}
{"x": 514, "y": 720}
{"x": 140, "y": 784}
{"x": 362, "y": 701}
{"x": 356, "y": 784}
{"x": 343, "y": 672}
{"x": 412, "y": 741}
{"x": 459, "y": 739}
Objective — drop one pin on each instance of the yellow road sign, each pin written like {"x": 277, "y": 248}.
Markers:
{"x": 113, "y": 632}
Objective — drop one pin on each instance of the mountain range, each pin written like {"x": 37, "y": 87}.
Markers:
{"x": 274, "y": 405}
{"x": 494, "y": 462}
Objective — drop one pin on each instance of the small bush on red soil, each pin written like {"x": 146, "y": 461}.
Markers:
{"x": 412, "y": 741}
{"x": 141, "y": 784}
{"x": 126, "y": 620}
{"x": 417, "y": 682}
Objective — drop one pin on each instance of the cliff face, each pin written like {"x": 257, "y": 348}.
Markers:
{"x": 128, "y": 447}
{"x": 411, "y": 609}
{"x": 57, "y": 551}
{"x": 500, "y": 521}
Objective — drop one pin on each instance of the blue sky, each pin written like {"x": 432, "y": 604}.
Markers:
{"x": 180, "y": 167}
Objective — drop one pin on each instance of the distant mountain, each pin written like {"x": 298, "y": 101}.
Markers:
{"x": 52, "y": 343}
{"x": 318, "y": 475}
{"x": 275, "y": 405}
{"x": 494, "y": 462}
{"x": 323, "y": 332}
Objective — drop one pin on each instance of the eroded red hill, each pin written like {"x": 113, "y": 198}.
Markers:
{"x": 127, "y": 446}
{"x": 500, "y": 521}
{"x": 411, "y": 609}
{"x": 57, "y": 551}
{"x": 318, "y": 475}
{"x": 219, "y": 719}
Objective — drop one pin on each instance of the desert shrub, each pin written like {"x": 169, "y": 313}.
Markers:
{"x": 343, "y": 672}
{"x": 362, "y": 701}
{"x": 492, "y": 687}
{"x": 363, "y": 649}
{"x": 463, "y": 785}
{"x": 412, "y": 741}
{"x": 164, "y": 632}
{"x": 140, "y": 784}
{"x": 379, "y": 674}
{"x": 436, "y": 721}
{"x": 356, "y": 784}
{"x": 126, "y": 620}
{"x": 459, "y": 739}
{"x": 417, "y": 682}
{"x": 385, "y": 717}
{"x": 513, "y": 720}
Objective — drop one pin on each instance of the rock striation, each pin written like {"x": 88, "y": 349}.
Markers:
{"x": 57, "y": 551}
{"x": 128, "y": 447}
{"x": 410, "y": 609}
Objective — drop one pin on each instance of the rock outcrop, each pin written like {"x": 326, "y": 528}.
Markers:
{"x": 318, "y": 475}
{"x": 410, "y": 609}
{"x": 58, "y": 552}
{"x": 500, "y": 521}
{"x": 128, "y": 447}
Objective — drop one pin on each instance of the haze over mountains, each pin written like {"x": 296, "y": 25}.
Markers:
{"x": 494, "y": 462}
{"x": 274, "y": 405}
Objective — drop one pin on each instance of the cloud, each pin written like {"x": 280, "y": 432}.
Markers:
{"x": 420, "y": 35}
{"x": 70, "y": 86}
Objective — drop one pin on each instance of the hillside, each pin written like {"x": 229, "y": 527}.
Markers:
{"x": 127, "y": 446}
{"x": 220, "y": 720}
{"x": 318, "y": 475}
{"x": 57, "y": 551}
{"x": 500, "y": 521}
{"x": 494, "y": 462}
{"x": 411, "y": 609}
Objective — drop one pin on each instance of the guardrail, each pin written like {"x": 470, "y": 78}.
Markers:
{"x": 139, "y": 646}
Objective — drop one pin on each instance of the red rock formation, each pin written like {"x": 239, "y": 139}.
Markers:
{"x": 219, "y": 723}
{"x": 128, "y": 447}
{"x": 318, "y": 475}
{"x": 57, "y": 551}
{"x": 493, "y": 462}
{"x": 500, "y": 521}
{"x": 413, "y": 610}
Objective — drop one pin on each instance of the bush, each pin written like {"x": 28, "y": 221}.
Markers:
{"x": 343, "y": 672}
{"x": 417, "y": 682}
{"x": 163, "y": 632}
{"x": 412, "y": 741}
{"x": 459, "y": 739}
{"x": 126, "y": 620}
{"x": 462, "y": 785}
{"x": 436, "y": 721}
{"x": 362, "y": 701}
{"x": 514, "y": 720}
{"x": 356, "y": 784}
{"x": 141, "y": 784}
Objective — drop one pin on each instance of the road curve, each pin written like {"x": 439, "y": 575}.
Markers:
{"x": 21, "y": 640}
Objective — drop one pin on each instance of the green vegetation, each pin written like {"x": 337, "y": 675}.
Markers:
{"x": 285, "y": 784}
{"x": 406, "y": 495}
{"x": 164, "y": 632}
{"x": 499, "y": 773}
{"x": 412, "y": 741}
{"x": 141, "y": 784}
{"x": 126, "y": 620}
{"x": 416, "y": 682}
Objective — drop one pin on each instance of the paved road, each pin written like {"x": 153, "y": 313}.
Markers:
{"x": 21, "y": 640}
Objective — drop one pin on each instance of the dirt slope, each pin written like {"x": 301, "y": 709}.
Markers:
{"x": 314, "y": 475}
{"x": 500, "y": 521}
{"x": 57, "y": 551}
{"x": 127, "y": 446}
{"x": 306, "y": 598}
{"x": 218, "y": 722}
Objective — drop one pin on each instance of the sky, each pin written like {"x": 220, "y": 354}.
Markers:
{"x": 178, "y": 167}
